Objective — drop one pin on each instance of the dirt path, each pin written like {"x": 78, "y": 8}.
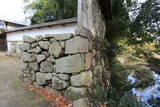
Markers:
{"x": 12, "y": 91}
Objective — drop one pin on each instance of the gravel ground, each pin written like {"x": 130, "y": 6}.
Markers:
{"x": 12, "y": 91}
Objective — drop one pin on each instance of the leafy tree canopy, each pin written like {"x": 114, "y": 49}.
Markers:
{"x": 51, "y": 10}
{"x": 147, "y": 24}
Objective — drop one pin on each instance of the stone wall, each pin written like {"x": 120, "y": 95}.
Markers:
{"x": 66, "y": 63}
{"x": 61, "y": 62}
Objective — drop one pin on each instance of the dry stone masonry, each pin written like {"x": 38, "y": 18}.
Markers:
{"x": 61, "y": 62}
{"x": 68, "y": 64}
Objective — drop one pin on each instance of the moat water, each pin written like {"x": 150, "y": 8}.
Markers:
{"x": 149, "y": 96}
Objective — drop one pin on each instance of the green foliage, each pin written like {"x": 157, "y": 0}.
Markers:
{"x": 153, "y": 60}
{"x": 118, "y": 26}
{"x": 146, "y": 25}
{"x": 113, "y": 99}
{"x": 50, "y": 10}
{"x": 129, "y": 101}
{"x": 119, "y": 78}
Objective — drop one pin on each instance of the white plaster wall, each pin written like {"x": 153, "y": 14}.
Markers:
{"x": 59, "y": 29}
{"x": 18, "y": 36}
{"x": 9, "y": 27}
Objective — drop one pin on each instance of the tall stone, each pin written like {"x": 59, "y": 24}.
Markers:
{"x": 55, "y": 49}
{"x": 90, "y": 17}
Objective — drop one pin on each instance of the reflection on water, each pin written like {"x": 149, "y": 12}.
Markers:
{"x": 150, "y": 95}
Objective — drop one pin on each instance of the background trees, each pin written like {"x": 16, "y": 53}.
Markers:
{"x": 147, "y": 24}
{"x": 50, "y": 10}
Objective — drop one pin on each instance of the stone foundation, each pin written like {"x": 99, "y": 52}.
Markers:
{"x": 66, "y": 63}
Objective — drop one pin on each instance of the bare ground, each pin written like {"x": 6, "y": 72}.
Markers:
{"x": 12, "y": 91}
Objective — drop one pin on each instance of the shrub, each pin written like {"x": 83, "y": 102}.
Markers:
{"x": 128, "y": 100}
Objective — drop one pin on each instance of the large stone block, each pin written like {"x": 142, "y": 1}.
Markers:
{"x": 36, "y": 50}
{"x": 24, "y": 66}
{"x": 46, "y": 67}
{"x": 48, "y": 76}
{"x": 34, "y": 66}
{"x": 59, "y": 84}
{"x": 77, "y": 45}
{"x": 41, "y": 79}
{"x": 75, "y": 92}
{"x": 59, "y": 36}
{"x": 28, "y": 57}
{"x": 70, "y": 64}
{"x": 44, "y": 44}
{"x": 28, "y": 39}
{"x": 55, "y": 49}
{"x": 83, "y": 79}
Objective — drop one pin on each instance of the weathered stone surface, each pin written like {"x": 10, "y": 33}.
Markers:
{"x": 33, "y": 76}
{"x": 91, "y": 17}
{"x": 70, "y": 64}
{"x": 64, "y": 77}
{"x": 55, "y": 74}
{"x": 62, "y": 44}
{"x": 88, "y": 60}
{"x": 59, "y": 84}
{"x": 45, "y": 53}
{"x": 37, "y": 49}
{"x": 83, "y": 79}
{"x": 77, "y": 45}
{"x": 48, "y": 76}
{"x": 40, "y": 58}
{"x": 34, "y": 66}
{"x": 24, "y": 66}
{"x": 44, "y": 44}
{"x": 51, "y": 60}
{"x": 75, "y": 92}
{"x": 25, "y": 46}
{"x": 59, "y": 36}
{"x": 41, "y": 79}
{"x": 46, "y": 67}
{"x": 55, "y": 49}
{"x": 83, "y": 102}
{"x": 39, "y": 37}
{"x": 33, "y": 45}
{"x": 28, "y": 39}
{"x": 28, "y": 57}
{"x": 84, "y": 32}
